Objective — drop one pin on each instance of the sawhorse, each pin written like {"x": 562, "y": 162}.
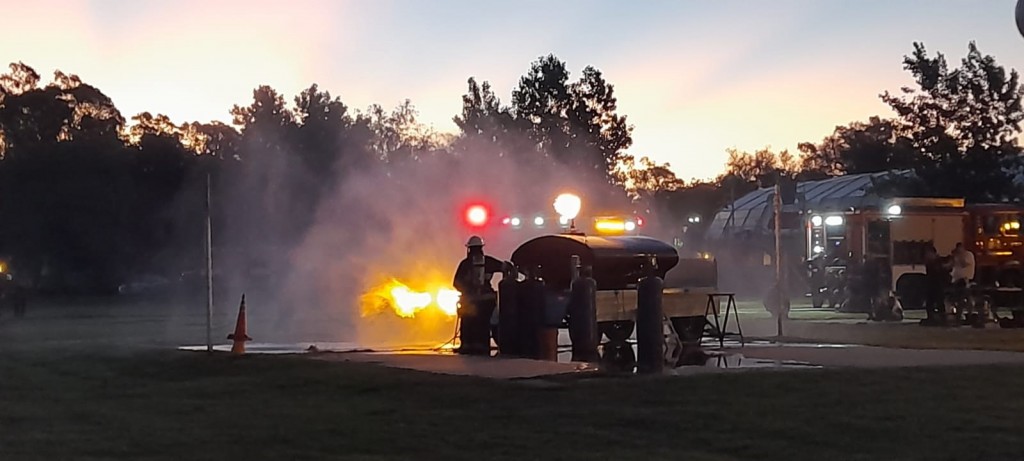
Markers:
{"x": 720, "y": 326}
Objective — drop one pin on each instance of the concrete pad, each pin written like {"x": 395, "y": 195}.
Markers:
{"x": 452, "y": 364}
{"x": 282, "y": 348}
{"x": 878, "y": 357}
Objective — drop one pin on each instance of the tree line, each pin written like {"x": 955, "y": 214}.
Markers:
{"x": 957, "y": 131}
{"x": 88, "y": 197}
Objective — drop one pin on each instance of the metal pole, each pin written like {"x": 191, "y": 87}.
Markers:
{"x": 778, "y": 257}
{"x": 732, "y": 208}
{"x": 209, "y": 271}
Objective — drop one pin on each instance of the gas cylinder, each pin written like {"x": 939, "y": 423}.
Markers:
{"x": 583, "y": 318}
{"x": 531, "y": 303}
{"x": 650, "y": 338}
{"x": 509, "y": 342}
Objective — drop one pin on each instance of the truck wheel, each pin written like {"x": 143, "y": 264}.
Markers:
{"x": 617, "y": 331}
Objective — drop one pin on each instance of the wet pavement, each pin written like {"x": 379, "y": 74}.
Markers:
{"x": 615, "y": 358}
{"x": 620, "y": 358}
{"x": 105, "y": 327}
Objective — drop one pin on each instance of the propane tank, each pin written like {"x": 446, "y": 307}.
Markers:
{"x": 650, "y": 338}
{"x": 532, "y": 303}
{"x": 509, "y": 342}
{"x": 583, "y": 317}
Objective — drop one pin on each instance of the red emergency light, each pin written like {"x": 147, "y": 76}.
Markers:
{"x": 477, "y": 215}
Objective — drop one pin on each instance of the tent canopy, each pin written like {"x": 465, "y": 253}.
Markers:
{"x": 752, "y": 213}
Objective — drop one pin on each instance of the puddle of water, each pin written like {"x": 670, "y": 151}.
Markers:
{"x": 737, "y": 360}
{"x": 621, "y": 358}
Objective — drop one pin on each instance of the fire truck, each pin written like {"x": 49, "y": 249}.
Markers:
{"x": 897, "y": 234}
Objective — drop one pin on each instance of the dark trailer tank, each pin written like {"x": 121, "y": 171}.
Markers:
{"x": 617, "y": 265}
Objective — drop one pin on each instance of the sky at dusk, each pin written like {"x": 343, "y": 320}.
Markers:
{"x": 694, "y": 77}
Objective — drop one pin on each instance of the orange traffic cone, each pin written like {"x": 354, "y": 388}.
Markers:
{"x": 239, "y": 336}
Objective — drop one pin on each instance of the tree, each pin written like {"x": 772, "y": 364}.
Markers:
{"x": 486, "y": 127}
{"x": 320, "y": 137}
{"x": 963, "y": 122}
{"x": 575, "y": 124}
{"x": 399, "y": 136}
{"x": 262, "y": 188}
{"x": 67, "y": 196}
{"x": 859, "y": 148}
{"x": 760, "y": 167}
{"x": 645, "y": 178}
{"x": 595, "y": 126}
{"x": 482, "y": 114}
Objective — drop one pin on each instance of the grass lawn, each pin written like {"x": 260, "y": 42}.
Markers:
{"x": 187, "y": 406}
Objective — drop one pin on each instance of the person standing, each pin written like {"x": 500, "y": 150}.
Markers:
{"x": 937, "y": 275}
{"x": 477, "y": 299}
{"x": 963, "y": 265}
{"x": 963, "y": 275}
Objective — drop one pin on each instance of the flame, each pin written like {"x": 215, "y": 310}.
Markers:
{"x": 448, "y": 301}
{"x": 407, "y": 303}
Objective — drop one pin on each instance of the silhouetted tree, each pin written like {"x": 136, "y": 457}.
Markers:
{"x": 486, "y": 127}
{"x": 575, "y": 123}
{"x": 859, "y": 148}
{"x": 761, "y": 167}
{"x": 963, "y": 122}
{"x": 644, "y": 178}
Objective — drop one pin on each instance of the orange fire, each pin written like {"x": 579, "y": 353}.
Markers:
{"x": 407, "y": 303}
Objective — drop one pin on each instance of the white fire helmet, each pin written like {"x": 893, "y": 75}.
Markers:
{"x": 475, "y": 241}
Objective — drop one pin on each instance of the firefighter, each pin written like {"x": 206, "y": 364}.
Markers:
{"x": 478, "y": 298}
{"x": 937, "y": 275}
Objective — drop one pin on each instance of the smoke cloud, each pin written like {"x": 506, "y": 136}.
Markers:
{"x": 404, "y": 220}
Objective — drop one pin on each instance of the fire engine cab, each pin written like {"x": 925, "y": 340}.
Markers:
{"x": 896, "y": 236}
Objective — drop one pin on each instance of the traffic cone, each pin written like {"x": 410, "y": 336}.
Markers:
{"x": 239, "y": 337}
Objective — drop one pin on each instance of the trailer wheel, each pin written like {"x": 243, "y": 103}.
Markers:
{"x": 689, "y": 329}
{"x": 618, "y": 356}
{"x": 911, "y": 290}
{"x": 1009, "y": 278}
{"x": 617, "y": 331}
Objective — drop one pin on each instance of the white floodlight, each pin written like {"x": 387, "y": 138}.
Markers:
{"x": 834, "y": 221}
{"x": 568, "y": 206}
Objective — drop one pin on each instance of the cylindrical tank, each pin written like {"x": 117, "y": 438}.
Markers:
{"x": 613, "y": 259}
{"x": 509, "y": 342}
{"x": 650, "y": 338}
{"x": 583, "y": 318}
{"x": 531, "y": 303}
